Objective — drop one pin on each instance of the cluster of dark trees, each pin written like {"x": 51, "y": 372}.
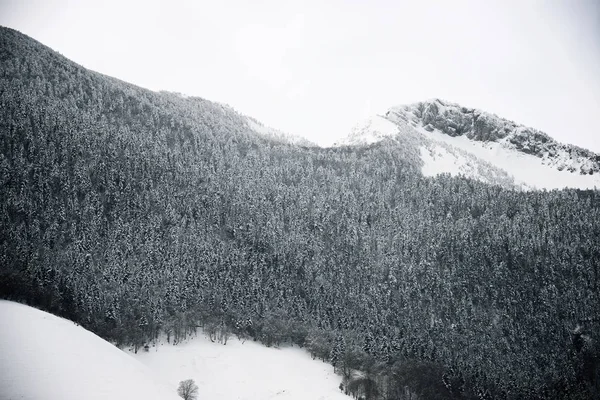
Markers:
{"x": 136, "y": 213}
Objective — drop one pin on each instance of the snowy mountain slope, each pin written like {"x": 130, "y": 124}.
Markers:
{"x": 527, "y": 170}
{"x": 370, "y": 131}
{"x": 46, "y": 357}
{"x": 458, "y": 140}
{"x": 454, "y": 120}
{"x": 221, "y": 112}
{"x": 433, "y": 156}
{"x": 244, "y": 370}
{"x": 276, "y": 134}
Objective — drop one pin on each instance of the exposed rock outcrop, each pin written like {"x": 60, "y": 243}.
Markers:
{"x": 454, "y": 120}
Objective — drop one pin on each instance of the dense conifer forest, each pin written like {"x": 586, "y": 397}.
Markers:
{"x": 136, "y": 213}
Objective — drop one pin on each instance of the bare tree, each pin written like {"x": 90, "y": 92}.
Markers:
{"x": 188, "y": 390}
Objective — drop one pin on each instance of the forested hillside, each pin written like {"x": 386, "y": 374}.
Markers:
{"x": 134, "y": 212}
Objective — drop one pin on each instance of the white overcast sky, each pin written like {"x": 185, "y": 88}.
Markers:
{"x": 315, "y": 68}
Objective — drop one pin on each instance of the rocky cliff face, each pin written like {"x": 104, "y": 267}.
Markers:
{"x": 454, "y": 120}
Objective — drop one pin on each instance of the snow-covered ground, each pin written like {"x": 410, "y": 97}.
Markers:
{"x": 44, "y": 357}
{"x": 528, "y": 171}
{"x": 244, "y": 370}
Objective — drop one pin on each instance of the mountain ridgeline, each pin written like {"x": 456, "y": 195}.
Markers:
{"x": 448, "y": 138}
{"x": 453, "y": 120}
{"x": 136, "y": 213}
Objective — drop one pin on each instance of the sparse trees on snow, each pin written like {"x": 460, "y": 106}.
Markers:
{"x": 188, "y": 390}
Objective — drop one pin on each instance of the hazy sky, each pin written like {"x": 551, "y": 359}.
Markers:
{"x": 315, "y": 68}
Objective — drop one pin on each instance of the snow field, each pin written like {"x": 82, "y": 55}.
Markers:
{"x": 44, "y": 357}
{"x": 243, "y": 370}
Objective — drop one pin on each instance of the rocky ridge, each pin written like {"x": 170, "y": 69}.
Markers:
{"x": 455, "y": 120}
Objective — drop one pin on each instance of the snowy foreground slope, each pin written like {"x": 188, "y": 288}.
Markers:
{"x": 44, "y": 357}
{"x": 244, "y": 370}
{"x": 448, "y": 138}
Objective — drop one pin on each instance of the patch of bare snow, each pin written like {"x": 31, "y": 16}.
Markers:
{"x": 438, "y": 160}
{"x": 370, "y": 131}
{"x": 244, "y": 370}
{"x": 46, "y": 357}
{"x": 528, "y": 171}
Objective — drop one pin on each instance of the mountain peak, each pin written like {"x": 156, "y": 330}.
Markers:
{"x": 455, "y": 120}
{"x": 529, "y": 156}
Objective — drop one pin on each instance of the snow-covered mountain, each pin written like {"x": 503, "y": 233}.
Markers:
{"x": 238, "y": 122}
{"x": 449, "y": 138}
{"x": 247, "y": 123}
{"x": 275, "y": 134}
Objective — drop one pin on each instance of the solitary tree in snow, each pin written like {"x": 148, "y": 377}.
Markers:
{"x": 188, "y": 390}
